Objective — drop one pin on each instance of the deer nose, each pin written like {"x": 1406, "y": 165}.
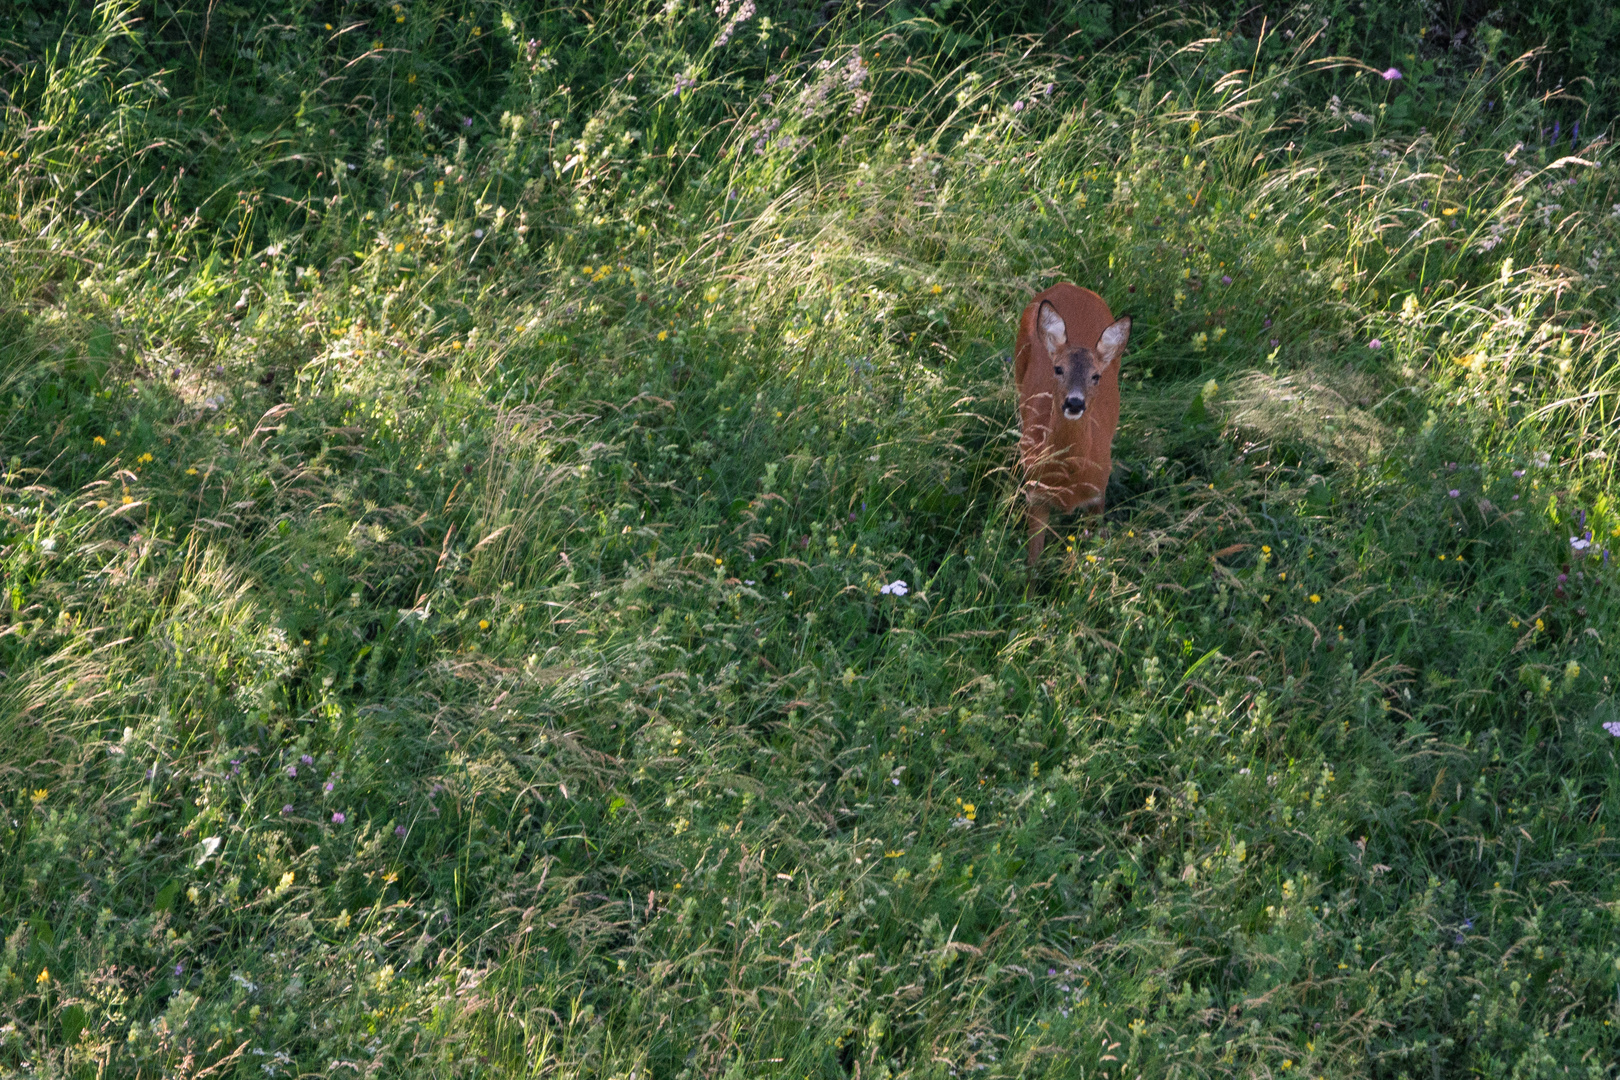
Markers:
{"x": 1074, "y": 406}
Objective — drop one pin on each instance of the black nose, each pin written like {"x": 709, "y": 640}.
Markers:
{"x": 1074, "y": 406}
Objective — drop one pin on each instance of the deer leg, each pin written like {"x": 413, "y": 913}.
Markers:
{"x": 1037, "y": 531}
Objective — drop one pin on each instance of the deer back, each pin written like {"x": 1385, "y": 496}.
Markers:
{"x": 1066, "y": 462}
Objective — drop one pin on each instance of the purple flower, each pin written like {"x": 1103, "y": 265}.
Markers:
{"x": 1468, "y": 924}
{"x": 1226, "y": 279}
{"x": 285, "y": 810}
{"x": 1048, "y": 92}
{"x": 1275, "y": 343}
{"x": 1425, "y": 204}
{"x": 399, "y": 830}
{"x": 1517, "y": 473}
{"x": 1454, "y": 492}
{"x": 307, "y": 760}
{"x": 1613, "y": 728}
{"x": 1051, "y": 971}
{"x": 338, "y": 818}
{"x": 1375, "y": 344}
{"x": 329, "y": 785}
{"x": 852, "y": 515}
{"x": 1460, "y": 938}
{"x": 1267, "y": 324}
{"x": 1562, "y": 578}
{"x": 178, "y": 968}
{"x": 466, "y": 121}
{"x": 292, "y": 770}
{"x": 1018, "y": 106}
{"x": 1391, "y": 74}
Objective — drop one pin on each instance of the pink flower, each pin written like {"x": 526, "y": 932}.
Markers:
{"x": 1375, "y": 344}
{"x": 1226, "y": 279}
{"x": 339, "y": 818}
{"x": 1392, "y": 74}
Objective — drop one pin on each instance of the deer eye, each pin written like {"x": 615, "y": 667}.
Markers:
{"x": 1057, "y": 371}
{"x": 1096, "y": 378}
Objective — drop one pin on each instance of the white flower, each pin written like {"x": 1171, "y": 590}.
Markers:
{"x": 895, "y": 588}
{"x": 479, "y": 233}
{"x": 1541, "y": 459}
{"x": 747, "y": 582}
{"x": 1579, "y": 544}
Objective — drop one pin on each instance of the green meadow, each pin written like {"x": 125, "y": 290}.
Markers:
{"x": 454, "y": 453}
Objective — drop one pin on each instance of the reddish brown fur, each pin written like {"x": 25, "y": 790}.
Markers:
{"x": 1066, "y": 462}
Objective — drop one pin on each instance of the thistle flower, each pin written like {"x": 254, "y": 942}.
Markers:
{"x": 1391, "y": 74}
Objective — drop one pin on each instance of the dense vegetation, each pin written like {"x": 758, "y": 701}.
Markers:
{"x": 455, "y": 453}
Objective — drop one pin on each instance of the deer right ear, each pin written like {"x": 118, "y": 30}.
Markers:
{"x": 1053, "y": 331}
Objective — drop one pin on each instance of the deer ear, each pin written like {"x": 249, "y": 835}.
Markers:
{"x": 1053, "y": 330}
{"x": 1112, "y": 342}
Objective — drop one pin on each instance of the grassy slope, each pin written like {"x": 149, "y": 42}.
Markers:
{"x": 444, "y": 630}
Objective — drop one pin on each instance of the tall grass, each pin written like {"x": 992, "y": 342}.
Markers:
{"x": 444, "y": 559}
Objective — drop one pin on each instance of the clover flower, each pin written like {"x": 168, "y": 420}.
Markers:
{"x": 338, "y": 817}
{"x": 1375, "y": 344}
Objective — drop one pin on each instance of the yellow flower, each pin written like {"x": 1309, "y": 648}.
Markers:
{"x": 719, "y": 561}
{"x": 1283, "y": 576}
{"x": 192, "y": 471}
{"x": 893, "y": 854}
{"x": 483, "y": 624}
{"x": 969, "y": 811}
{"x": 1540, "y": 625}
{"x": 127, "y": 499}
{"x": 193, "y": 895}
{"x": 1070, "y": 539}
{"x": 329, "y": 26}
{"x": 663, "y": 335}
{"x": 587, "y": 269}
{"x": 1442, "y": 558}
{"x": 44, "y": 978}
{"x": 937, "y": 289}
{"x": 1265, "y": 549}
{"x": 477, "y": 30}
{"x": 1448, "y": 211}
{"x": 99, "y": 441}
{"x": 286, "y": 881}
{"x": 1315, "y": 599}
{"x": 1091, "y": 558}
{"x": 1514, "y": 623}
{"x": 39, "y": 795}
{"x": 399, "y": 247}
{"x": 455, "y": 344}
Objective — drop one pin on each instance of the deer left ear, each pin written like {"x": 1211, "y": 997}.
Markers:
{"x": 1112, "y": 342}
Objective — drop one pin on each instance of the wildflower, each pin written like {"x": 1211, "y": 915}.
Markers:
{"x": 937, "y": 289}
{"x": 1572, "y": 671}
{"x": 1018, "y": 106}
{"x": 307, "y": 760}
{"x": 1454, "y": 492}
{"x": 478, "y": 234}
{"x": 1517, "y": 473}
{"x": 285, "y": 810}
{"x": 1449, "y": 211}
{"x": 466, "y": 121}
{"x": 192, "y": 471}
{"x": 1265, "y": 549}
{"x": 1375, "y": 344}
{"x": 1540, "y": 626}
{"x": 1091, "y": 558}
{"x": 1226, "y": 279}
{"x": 1541, "y": 459}
{"x": 338, "y": 818}
{"x": 99, "y": 441}
{"x": 39, "y": 795}
{"x": 292, "y": 771}
{"x": 399, "y": 830}
{"x": 1579, "y": 543}
{"x": 719, "y": 561}
{"x": 1612, "y": 727}
{"x": 329, "y": 786}
{"x": 286, "y": 881}
{"x": 43, "y": 978}
{"x": 1283, "y": 576}
{"x": 897, "y": 587}
{"x": 1392, "y": 74}
{"x": 1315, "y": 599}
{"x": 663, "y": 335}
{"x": 483, "y": 624}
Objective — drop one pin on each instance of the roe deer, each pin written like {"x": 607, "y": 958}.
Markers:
{"x": 1066, "y": 367}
